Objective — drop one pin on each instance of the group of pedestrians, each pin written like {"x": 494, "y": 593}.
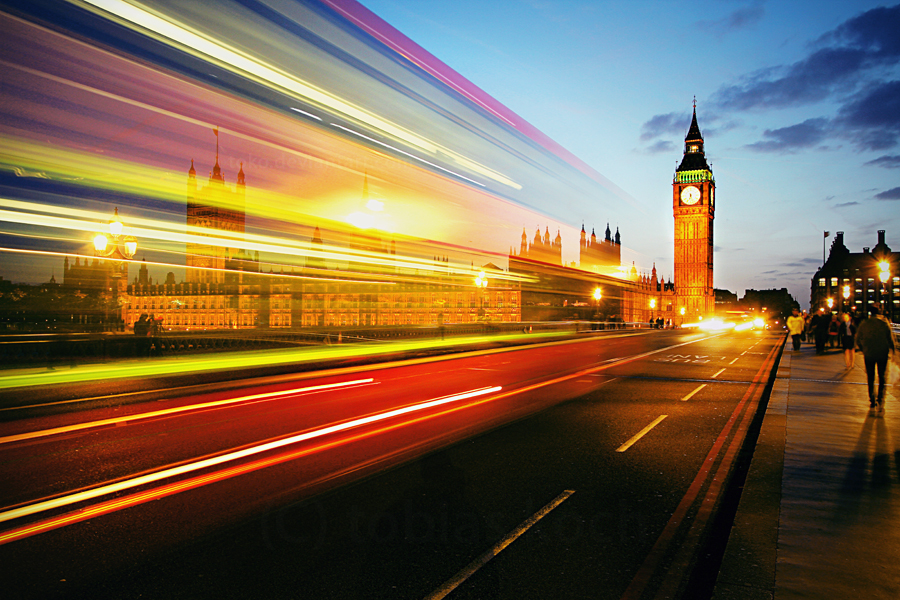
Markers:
{"x": 146, "y": 329}
{"x": 872, "y": 336}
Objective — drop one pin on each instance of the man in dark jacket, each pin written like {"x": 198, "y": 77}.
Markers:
{"x": 819, "y": 323}
{"x": 876, "y": 341}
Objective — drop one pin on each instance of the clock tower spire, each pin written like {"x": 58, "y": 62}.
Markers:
{"x": 693, "y": 206}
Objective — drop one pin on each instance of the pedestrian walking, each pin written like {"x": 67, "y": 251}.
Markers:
{"x": 848, "y": 340}
{"x": 796, "y": 324}
{"x": 821, "y": 322}
{"x": 834, "y": 329}
{"x": 875, "y": 340}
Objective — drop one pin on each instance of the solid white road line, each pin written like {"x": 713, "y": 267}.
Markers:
{"x": 482, "y": 560}
{"x": 688, "y": 397}
{"x": 641, "y": 434}
{"x": 170, "y": 411}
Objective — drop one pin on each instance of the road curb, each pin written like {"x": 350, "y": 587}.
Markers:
{"x": 748, "y": 565}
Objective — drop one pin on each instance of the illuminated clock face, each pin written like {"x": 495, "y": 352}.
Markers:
{"x": 690, "y": 195}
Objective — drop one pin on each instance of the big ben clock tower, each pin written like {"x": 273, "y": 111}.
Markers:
{"x": 693, "y": 205}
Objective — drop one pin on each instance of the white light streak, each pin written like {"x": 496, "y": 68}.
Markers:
{"x": 231, "y": 456}
{"x": 403, "y": 152}
{"x": 303, "y": 112}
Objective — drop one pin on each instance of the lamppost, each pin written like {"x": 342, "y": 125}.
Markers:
{"x": 830, "y": 303}
{"x": 481, "y": 283}
{"x": 652, "y": 307}
{"x": 845, "y": 292}
{"x": 884, "y": 274}
{"x": 118, "y": 248}
{"x": 598, "y": 295}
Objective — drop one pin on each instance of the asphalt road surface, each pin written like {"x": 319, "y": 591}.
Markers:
{"x": 589, "y": 468}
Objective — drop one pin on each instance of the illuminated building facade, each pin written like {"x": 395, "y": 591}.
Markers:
{"x": 226, "y": 289}
{"x": 600, "y": 256}
{"x": 90, "y": 274}
{"x": 541, "y": 249}
{"x": 693, "y": 206}
{"x": 853, "y": 281}
{"x": 216, "y": 207}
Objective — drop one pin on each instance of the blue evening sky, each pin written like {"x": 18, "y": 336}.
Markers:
{"x": 797, "y": 102}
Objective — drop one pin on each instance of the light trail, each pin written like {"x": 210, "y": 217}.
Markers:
{"x": 180, "y": 409}
{"x": 403, "y": 152}
{"x": 168, "y": 30}
{"x": 176, "y": 487}
{"x": 94, "y": 222}
{"x": 127, "y": 484}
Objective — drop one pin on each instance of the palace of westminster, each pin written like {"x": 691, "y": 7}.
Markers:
{"x": 226, "y": 288}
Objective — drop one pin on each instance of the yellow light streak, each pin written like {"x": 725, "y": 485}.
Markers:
{"x": 169, "y": 232}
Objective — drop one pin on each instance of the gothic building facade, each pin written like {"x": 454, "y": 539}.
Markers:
{"x": 853, "y": 281}
{"x": 541, "y": 249}
{"x": 225, "y": 288}
{"x": 600, "y": 256}
{"x": 213, "y": 210}
{"x": 693, "y": 206}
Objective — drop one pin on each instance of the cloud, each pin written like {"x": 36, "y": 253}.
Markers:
{"x": 713, "y": 131}
{"x": 843, "y": 204}
{"x": 807, "y": 81}
{"x": 741, "y": 18}
{"x": 661, "y": 146}
{"x": 888, "y": 162}
{"x": 804, "y": 262}
{"x": 786, "y": 139}
{"x": 874, "y": 30}
{"x": 875, "y": 115}
{"x": 665, "y": 124}
{"x": 891, "y": 194}
{"x": 846, "y": 65}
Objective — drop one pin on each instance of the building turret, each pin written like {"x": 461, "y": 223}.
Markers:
{"x": 192, "y": 183}
{"x": 217, "y": 171}
{"x": 694, "y": 156}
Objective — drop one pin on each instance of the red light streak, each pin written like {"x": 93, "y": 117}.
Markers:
{"x": 194, "y": 482}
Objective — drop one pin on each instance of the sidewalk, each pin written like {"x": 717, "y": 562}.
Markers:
{"x": 819, "y": 516}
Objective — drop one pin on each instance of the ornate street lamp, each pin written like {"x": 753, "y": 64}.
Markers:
{"x": 117, "y": 247}
{"x": 109, "y": 246}
{"x": 481, "y": 283}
